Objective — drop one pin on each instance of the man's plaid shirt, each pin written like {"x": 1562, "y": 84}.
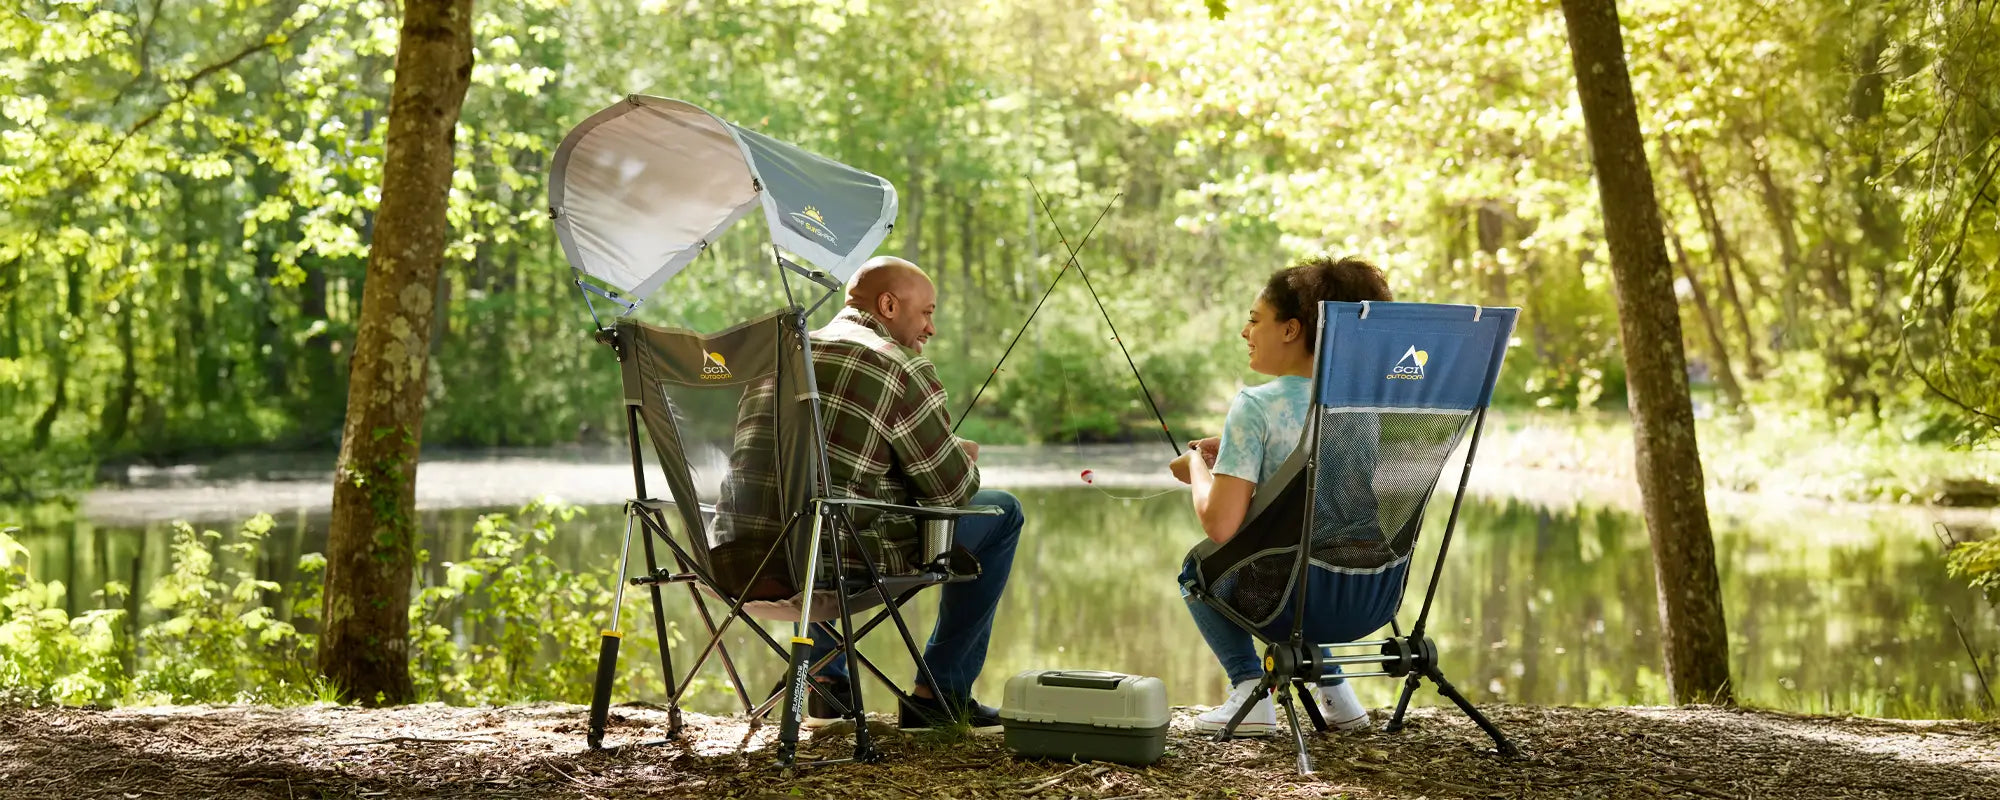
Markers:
{"x": 888, "y": 439}
{"x": 888, "y": 434}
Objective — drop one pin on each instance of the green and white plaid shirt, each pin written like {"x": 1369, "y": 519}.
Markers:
{"x": 888, "y": 434}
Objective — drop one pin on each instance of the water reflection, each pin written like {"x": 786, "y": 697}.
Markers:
{"x": 1828, "y": 611}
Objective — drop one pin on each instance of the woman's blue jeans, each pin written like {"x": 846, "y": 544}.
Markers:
{"x": 1340, "y": 607}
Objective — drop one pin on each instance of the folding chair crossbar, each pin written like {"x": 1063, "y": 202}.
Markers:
{"x": 756, "y": 711}
{"x": 654, "y": 524}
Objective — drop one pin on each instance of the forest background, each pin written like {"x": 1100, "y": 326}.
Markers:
{"x": 188, "y": 189}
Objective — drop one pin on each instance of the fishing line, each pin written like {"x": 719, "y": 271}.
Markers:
{"x": 1164, "y": 430}
{"x": 967, "y": 413}
{"x": 1089, "y": 476}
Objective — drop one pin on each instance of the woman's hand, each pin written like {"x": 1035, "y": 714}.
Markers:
{"x": 1208, "y": 448}
{"x": 1179, "y": 466}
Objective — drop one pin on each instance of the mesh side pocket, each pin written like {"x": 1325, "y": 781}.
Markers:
{"x": 1256, "y": 588}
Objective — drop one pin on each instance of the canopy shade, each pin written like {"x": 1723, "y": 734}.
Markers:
{"x": 638, "y": 190}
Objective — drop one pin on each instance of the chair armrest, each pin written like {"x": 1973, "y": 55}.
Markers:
{"x": 919, "y": 512}
{"x": 656, "y": 504}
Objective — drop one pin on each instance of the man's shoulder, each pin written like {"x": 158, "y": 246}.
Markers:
{"x": 854, "y": 341}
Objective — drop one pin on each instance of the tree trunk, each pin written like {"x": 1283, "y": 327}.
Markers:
{"x": 1784, "y": 221}
{"x": 322, "y": 379}
{"x": 1725, "y": 372}
{"x": 117, "y": 416}
{"x": 1492, "y": 227}
{"x": 372, "y": 541}
{"x": 1649, "y": 328}
{"x": 913, "y": 237}
{"x": 196, "y": 376}
{"x": 59, "y": 356}
{"x": 970, "y": 302}
{"x": 274, "y": 352}
{"x": 1725, "y": 256}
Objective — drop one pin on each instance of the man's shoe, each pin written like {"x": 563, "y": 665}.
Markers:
{"x": 1262, "y": 719}
{"x": 819, "y": 713}
{"x": 916, "y": 714}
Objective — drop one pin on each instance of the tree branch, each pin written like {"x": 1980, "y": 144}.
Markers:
{"x": 263, "y": 43}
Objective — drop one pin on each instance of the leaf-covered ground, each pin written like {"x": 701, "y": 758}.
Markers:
{"x": 538, "y": 751}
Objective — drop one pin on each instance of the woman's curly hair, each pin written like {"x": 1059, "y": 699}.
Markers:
{"x": 1295, "y": 292}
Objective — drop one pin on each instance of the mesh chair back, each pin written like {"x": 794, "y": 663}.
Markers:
{"x": 1395, "y": 388}
{"x": 730, "y": 419}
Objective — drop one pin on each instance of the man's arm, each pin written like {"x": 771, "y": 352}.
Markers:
{"x": 940, "y": 472}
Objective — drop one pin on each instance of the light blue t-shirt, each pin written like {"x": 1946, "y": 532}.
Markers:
{"x": 1263, "y": 428}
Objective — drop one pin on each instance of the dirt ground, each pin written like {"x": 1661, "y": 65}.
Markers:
{"x": 538, "y": 751}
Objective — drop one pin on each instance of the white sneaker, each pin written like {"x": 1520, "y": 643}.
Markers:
{"x": 1340, "y": 708}
{"x": 1262, "y": 719}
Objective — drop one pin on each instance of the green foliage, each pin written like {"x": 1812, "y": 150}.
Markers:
{"x": 1977, "y": 563}
{"x": 190, "y": 187}
{"x": 46, "y": 656}
{"x": 504, "y": 626}
{"x": 219, "y": 639}
{"x": 520, "y": 629}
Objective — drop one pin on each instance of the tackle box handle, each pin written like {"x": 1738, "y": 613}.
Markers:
{"x": 1081, "y": 679}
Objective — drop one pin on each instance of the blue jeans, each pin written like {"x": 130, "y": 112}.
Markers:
{"x": 1340, "y": 608}
{"x": 957, "y": 649}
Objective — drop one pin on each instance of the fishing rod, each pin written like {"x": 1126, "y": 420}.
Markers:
{"x": 1038, "y": 305}
{"x": 1164, "y": 430}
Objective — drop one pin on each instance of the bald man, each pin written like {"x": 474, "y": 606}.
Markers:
{"x": 889, "y": 439}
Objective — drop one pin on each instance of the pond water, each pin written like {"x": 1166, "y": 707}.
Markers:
{"x": 1546, "y": 601}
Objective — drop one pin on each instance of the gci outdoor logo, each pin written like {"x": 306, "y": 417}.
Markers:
{"x": 1411, "y": 366}
{"x": 811, "y": 222}
{"x": 715, "y": 369}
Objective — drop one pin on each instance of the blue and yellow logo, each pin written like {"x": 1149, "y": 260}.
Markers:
{"x": 1411, "y": 366}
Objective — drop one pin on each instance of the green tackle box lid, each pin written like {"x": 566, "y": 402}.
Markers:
{"x": 1085, "y": 697}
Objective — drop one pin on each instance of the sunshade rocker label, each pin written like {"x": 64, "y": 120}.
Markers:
{"x": 810, "y": 223}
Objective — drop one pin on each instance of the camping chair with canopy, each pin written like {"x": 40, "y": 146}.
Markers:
{"x": 637, "y": 192}
{"x": 1323, "y": 555}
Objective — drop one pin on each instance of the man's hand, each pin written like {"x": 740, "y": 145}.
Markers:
{"x": 970, "y": 447}
{"x": 1208, "y": 448}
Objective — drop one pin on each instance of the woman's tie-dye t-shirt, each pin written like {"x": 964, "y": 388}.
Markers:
{"x": 1263, "y": 428}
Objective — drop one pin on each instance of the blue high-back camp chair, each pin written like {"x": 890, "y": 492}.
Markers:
{"x": 1323, "y": 556}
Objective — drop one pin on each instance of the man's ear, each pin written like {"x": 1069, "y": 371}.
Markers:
{"x": 885, "y": 304}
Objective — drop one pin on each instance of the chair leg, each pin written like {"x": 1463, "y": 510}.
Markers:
{"x": 607, "y": 651}
{"x": 1228, "y": 730}
{"x": 1445, "y": 688}
{"x": 923, "y": 665}
{"x": 600, "y": 694}
{"x": 864, "y": 747}
{"x": 1312, "y": 709}
{"x": 728, "y": 664}
{"x": 1284, "y": 692}
{"x": 1402, "y": 705}
{"x": 660, "y": 633}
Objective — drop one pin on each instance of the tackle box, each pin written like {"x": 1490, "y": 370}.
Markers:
{"x": 1086, "y": 714}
